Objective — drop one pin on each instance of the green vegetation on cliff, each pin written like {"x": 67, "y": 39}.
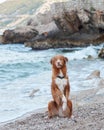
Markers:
{"x": 14, "y": 13}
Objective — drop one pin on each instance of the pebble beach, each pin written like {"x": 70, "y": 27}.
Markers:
{"x": 88, "y": 114}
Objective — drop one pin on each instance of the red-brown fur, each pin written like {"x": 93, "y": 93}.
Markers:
{"x": 56, "y": 104}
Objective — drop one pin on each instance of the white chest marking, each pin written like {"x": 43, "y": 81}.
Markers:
{"x": 61, "y": 83}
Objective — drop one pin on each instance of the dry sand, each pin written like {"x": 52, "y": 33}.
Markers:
{"x": 88, "y": 114}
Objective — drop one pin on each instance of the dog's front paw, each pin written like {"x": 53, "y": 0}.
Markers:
{"x": 64, "y": 106}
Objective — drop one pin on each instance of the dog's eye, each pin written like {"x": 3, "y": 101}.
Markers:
{"x": 61, "y": 59}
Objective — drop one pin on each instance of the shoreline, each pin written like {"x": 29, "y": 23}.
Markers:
{"x": 88, "y": 106}
{"x": 25, "y": 115}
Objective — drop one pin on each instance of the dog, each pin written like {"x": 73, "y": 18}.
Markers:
{"x": 60, "y": 89}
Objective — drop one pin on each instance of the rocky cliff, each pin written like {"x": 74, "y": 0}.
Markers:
{"x": 63, "y": 24}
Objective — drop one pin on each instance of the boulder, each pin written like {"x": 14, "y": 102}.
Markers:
{"x": 32, "y": 93}
{"x": 19, "y": 35}
{"x": 101, "y": 53}
{"x": 94, "y": 74}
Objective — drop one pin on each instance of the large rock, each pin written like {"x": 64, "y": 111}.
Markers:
{"x": 101, "y": 53}
{"x": 58, "y": 40}
{"x": 94, "y": 74}
{"x": 83, "y": 21}
{"x": 74, "y": 28}
{"x": 19, "y": 35}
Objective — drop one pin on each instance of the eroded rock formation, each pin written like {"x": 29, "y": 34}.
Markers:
{"x": 67, "y": 26}
{"x": 69, "y": 23}
{"x": 74, "y": 28}
{"x": 19, "y": 35}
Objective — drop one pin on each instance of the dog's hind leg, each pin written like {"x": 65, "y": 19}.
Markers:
{"x": 69, "y": 104}
{"x": 68, "y": 111}
{"x": 52, "y": 109}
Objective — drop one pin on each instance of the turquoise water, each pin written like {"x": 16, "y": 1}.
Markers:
{"x": 22, "y": 70}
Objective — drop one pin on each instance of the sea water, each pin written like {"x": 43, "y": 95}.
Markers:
{"x": 22, "y": 70}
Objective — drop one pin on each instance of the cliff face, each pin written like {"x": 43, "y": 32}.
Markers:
{"x": 45, "y": 13}
{"x": 66, "y": 24}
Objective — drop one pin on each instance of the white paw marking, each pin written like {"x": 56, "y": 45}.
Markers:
{"x": 64, "y": 106}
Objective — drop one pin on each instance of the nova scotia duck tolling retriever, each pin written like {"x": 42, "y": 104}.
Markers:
{"x": 61, "y": 105}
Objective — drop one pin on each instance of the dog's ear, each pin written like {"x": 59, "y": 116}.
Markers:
{"x": 51, "y": 61}
{"x": 66, "y": 59}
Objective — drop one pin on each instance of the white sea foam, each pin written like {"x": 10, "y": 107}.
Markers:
{"x": 83, "y": 53}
